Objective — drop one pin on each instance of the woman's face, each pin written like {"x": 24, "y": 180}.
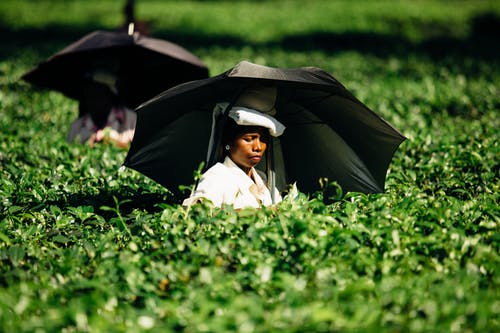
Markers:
{"x": 248, "y": 147}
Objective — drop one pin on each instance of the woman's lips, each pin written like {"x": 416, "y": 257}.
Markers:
{"x": 255, "y": 158}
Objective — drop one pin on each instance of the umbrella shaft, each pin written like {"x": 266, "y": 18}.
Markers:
{"x": 271, "y": 177}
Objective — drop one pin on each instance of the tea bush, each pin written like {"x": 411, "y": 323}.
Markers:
{"x": 88, "y": 246}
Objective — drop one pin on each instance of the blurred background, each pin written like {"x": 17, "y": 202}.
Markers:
{"x": 354, "y": 40}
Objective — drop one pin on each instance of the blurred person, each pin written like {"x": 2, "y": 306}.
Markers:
{"x": 102, "y": 118}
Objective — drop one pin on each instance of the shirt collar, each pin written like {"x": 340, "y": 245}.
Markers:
{"x": 228, "y": 162}
{"x": 258, "y": 188}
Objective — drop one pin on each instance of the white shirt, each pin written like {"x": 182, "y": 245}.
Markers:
{"x": 226, "y": 183}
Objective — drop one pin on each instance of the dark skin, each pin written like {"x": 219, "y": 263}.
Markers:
{"x": 248, "y": 148}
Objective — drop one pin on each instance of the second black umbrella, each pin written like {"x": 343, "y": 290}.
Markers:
{"x": 142, "y": 66}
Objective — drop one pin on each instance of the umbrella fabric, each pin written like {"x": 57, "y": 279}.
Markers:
{"x": 329, "y": 133}
{"x": 143, "y": 66}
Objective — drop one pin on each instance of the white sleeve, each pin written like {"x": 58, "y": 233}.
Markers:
{"x": 209, "y": 188}
{"x": 277, "y": 196}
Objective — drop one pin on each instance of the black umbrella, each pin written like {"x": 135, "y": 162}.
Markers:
{"x": 143, "y": 66}
{"x": 329, "y": 132}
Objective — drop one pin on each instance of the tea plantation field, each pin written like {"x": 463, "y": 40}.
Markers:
{"x": 87, "y": 246}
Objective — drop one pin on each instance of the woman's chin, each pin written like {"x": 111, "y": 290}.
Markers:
{"x": 254, "y": 161}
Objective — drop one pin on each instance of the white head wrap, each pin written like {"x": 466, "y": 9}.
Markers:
{"x": 249, "y": 117}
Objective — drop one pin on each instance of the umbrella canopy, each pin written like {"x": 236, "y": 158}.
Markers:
{"x": 329, "y": 132}
{"x": 143, "y": 66}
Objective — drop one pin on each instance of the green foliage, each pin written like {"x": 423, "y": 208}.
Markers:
{"x": 88, "y": 246}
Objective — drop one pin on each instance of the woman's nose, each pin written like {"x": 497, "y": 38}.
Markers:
{"x": 258, "y": 145}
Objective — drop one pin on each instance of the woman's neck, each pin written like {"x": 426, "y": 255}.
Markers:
{"x": 246, "y": 170}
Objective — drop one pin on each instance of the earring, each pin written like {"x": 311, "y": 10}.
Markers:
{"x": 227, "y": 147}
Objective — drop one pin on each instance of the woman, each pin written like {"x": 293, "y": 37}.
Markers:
{"x": 246, "y": 136}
